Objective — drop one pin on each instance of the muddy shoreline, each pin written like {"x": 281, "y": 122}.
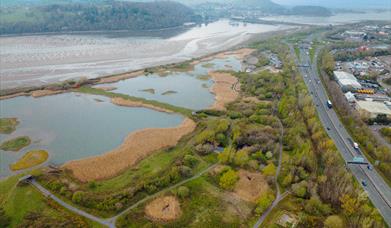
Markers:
{"x": 77, "y": 82}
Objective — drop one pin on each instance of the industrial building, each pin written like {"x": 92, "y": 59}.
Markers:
{"x": 347, "y": 81}
{"x": 373, "y": 108}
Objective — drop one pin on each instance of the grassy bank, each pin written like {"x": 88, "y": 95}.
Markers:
{"x": 181, "y": 110}
{"x": 15, "y": 144}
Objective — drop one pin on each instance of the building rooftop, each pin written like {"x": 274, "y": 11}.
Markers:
{"x": 374, "y": 107}
{"x": 347, "y": 79}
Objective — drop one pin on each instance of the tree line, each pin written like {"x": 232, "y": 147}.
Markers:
{"x": 115, "y": 15}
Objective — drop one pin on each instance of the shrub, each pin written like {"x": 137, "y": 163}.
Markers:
{"x": 269, "y": 170}
{"x": 92, "y": 185}
{"x": 78, "y": 197}
{"x": 207, "y": 136}
{"x": 300, "y": 189}
{"x": 334, "y": 221}
{"x": 190, "y": 160}
{"x": 241, "y": 157}
{"x": 227, "y": 155}
{"x": 204, "y": 149}
{"x": 228, "y": 179}
{"x": 183, "y": 192}
{"x": 63, "y": 190}
{"x": 55, "y": 185}
{"x": 264, "y": 202}
{"x": 185, "y": 171}
{"x": 5, "y": 220}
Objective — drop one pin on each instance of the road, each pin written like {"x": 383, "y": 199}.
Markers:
{"x": 110, "y": 222}
{"x": 378, "y": 191}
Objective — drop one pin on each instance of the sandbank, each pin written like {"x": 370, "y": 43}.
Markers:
{"x": 136, "y": 146}
{"x": 45, "y": 92}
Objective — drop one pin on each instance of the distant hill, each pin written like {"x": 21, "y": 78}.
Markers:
{"x": 266, "y": 5}
{"x": 111, "y": 15}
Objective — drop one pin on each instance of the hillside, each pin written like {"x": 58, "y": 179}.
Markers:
{"x": 90, "y": 17}
{"x": 310, "y": 11}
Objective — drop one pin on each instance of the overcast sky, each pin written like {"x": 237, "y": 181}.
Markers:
{"x": 339, "y": 3}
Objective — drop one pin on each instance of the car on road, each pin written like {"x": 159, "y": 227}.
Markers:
{"x": 369, "y": 167}
{"x": 329, "y": 104}
{"x": 355, "y": 146}
{"x": 364, "y": 183}
{"x": 328, "y": 128}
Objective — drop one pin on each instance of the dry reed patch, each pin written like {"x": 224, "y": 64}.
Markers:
{"x": 224, "y": 89}
{"x": 129, "y": 103}
{"x": 45, "y": 92}
{"x": 137, "y": 146}
{"x": 120, "y": 77}
{"x": 164, "y": 209}
{"x": 250, "y": 186}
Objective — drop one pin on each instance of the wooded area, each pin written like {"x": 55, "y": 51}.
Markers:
{"x": 115, "y": 15}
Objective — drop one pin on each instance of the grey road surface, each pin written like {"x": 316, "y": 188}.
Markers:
{"x": 378, "y": 191}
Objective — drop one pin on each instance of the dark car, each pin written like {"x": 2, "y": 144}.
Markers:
{"x": 328, "y": 128}
{"x": 364, "y": 183}
{"x": 369, "y": 167}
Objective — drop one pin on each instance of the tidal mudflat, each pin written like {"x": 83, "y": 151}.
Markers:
{"x": 42, "y": 59}
{"x": 189, "y": 89}
{"x": 74, "y": 126}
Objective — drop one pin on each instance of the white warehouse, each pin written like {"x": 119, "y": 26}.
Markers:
{"x": 347, "y": 81}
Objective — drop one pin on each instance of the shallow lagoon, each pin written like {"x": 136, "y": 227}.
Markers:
{"x": 191, "y": 89}
{"x": 73, "y": 126}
